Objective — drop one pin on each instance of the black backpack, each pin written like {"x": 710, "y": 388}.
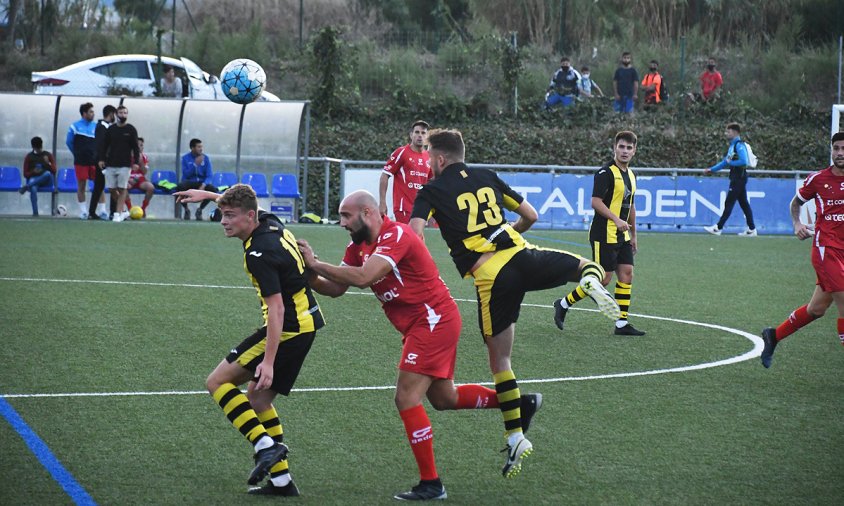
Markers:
{"x": 663, "y": 91}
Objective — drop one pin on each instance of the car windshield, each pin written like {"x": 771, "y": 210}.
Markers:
{"x": 127, "y": 69}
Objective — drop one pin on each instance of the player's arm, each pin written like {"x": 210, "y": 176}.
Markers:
{"x": 68, "y": 140}
{"x": 187, "y": 196}
{"x": 382, "y": 193}
{"x": 801, "y": 230}
{"x": 275, "y": 322}
{"x": 319, "y": 284}
{"x": 631, "y": 223}
{"x": 375, "y": 268}
{"x": 602, "y": 209}
{"x": 527, "y": 217}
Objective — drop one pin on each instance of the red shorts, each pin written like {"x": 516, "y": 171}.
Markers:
{"x": 138, "y": 181}
{"x": 85, "y": 172}
{"x": 829, "y": 267}
{"x": 402, "y": 216}
{"x": 432, "y": 352}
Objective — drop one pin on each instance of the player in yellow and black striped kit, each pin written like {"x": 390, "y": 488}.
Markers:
{"x": 468, "y": 205}
{"x": 271, "y": 358}
{"x": 612, "y": 234}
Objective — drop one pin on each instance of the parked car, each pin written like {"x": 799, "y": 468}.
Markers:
{"x": 129, "y": 74}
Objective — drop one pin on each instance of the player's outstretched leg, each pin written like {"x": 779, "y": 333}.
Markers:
{"x": 590, "y": 281}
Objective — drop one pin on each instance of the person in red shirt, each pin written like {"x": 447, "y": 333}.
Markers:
{"x": 410, "y": 169}
{"x": 138, "y": 179}
{"x": 826, "y": 188}
{"x": 710, "y": 81}
{"x": 392, "y": 260}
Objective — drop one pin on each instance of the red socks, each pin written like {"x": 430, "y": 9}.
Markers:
{"x": 841, "y": 330}
{"x": 798, "y": 319}
{"x": 476, "y": 397}
{"x": 421, "y": 438}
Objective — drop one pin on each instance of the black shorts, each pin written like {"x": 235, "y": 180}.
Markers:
{"x": 502, "y": 281}
{"x": 609, "y": 256}
{"x": 288, "y": 359}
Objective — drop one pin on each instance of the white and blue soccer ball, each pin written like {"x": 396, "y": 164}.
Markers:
{"x": 242, "y": 81}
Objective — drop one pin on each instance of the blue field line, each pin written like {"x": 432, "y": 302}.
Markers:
{"x": 550, "y": 239}
{"x": 45, "y": 456}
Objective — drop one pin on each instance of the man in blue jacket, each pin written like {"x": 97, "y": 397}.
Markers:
{"x": 737, "y": 160}
{"x": 81, "y": 142}
{"x": 196, "y": 175}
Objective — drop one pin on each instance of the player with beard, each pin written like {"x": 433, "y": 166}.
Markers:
{"x": 389, "y": 258}
{"x": 826, "y": 188}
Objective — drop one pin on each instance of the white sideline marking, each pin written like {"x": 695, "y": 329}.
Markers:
{"x": 753, "y": 353}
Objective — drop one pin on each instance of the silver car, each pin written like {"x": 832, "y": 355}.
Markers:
{"x": 129, "y": 74}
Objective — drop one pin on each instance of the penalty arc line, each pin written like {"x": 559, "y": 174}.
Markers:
{"x": 753, "y": 353}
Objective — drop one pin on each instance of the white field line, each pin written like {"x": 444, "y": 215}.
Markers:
{"x": 753, "y": 353}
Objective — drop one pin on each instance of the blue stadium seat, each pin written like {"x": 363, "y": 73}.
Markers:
{"x": 224, "y": 179}
{"x": 258, "y": 182}
{"x": 158, "y": 175}
{"x": 10, "y": 179}
{"x": 67, "y": 180}
{"x": 286, "y": 186}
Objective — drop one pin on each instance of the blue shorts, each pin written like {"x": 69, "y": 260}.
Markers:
{"x": 623, "y": 105}
{"x": 555, "y": 98}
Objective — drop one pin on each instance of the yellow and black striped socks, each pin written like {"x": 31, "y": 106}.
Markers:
{"x": 509, "y": 401}
{"x": 240, "y": 413}
{"x": 622, "y": 297}
{"x": 280, "y": 472}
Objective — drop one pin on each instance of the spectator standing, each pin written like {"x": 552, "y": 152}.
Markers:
{"x": 710, "y": 82}
{"x": 652, "y": 84}
{"x": 625, "y": 84}
{"x": 109, "y": 113}
{"x": 410, "y": 169}
{"x": 82, "y": 144}
{"x": 119, "y": 155}
{"x": 171, "y": 86}
{"x": 587, "y": 87}
{"x": 39, "y": 169}
{"x": 564, "y": 86}
{"x": 138, "y": 179}
{"x": 826, "y": 188}
{"x": 736, "y": 159}
{"x": 196, "y": 175}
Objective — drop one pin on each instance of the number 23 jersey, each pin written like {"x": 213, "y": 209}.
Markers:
{"x": 468, "y": 205}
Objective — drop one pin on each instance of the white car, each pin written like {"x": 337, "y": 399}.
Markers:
{"x": 129, "y": 74}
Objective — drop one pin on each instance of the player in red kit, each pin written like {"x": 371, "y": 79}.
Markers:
{"x": 826, "y": 188}
{"x": 393, "y": 261}
{"x": 410, "y": 169}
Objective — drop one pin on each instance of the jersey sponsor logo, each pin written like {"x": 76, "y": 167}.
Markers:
{"x": 833, "y": 202}
{"x": 420, "y": 174}
{"x": 834, "y": 217}
{"x": 387, "y": 296}
{"x": 255, "y": 254}
{"x": 421, "y": 435}
{"x": 411, "y": 358}
{"x": 414, "y": 186}
{"x": 382, "y": 249}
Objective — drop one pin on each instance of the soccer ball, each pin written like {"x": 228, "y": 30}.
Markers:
{"x": 242, "y": 81}
{"x": 136, "y": 213}
{"x": 61, "y": 210}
